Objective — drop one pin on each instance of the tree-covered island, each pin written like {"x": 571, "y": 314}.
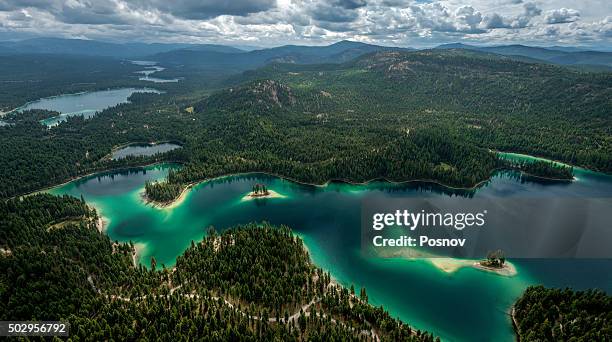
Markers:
{"x": 259, "y": 190}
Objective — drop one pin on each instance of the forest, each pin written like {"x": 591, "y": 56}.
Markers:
{"x": 543, "y": 314}
{"x": 214, "y": 291}
{"x": 162, "y": 191}
{"x": 429, "y": 115}
{"x": 426, "y": 115}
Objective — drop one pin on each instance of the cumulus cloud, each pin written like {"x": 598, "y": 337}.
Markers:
{"x": 275, "y": 22}
{"x": 436, "y": 17}
{"x": 467, "y": 18}
{"x": 530, "y": 10}
{"x": 494, "y": 21}
{"x": 562, "y": 15}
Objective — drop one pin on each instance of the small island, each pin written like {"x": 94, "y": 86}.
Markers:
{"x": 449, "y": 264}
{"x": 496, "y": 262}
{"x": 261, "y": 191}
{"x": 164, "y": 194}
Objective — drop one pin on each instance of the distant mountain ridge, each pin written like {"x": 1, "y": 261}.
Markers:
{"x": 99, "y": 48}
{"x": 555, "y": 54}
{"x": 214, "y": 56}
{"x": 203, "y": 56}
{"x": 335, "y": 53}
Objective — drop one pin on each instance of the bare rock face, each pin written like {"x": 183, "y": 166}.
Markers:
{"x": 273, "y": 92}
{"x": 393, "y": 64}
{"x": 258, "y": 96}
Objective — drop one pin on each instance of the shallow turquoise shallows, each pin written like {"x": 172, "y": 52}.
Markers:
{"x": 85, "y": 104}
{"x": 466, "y": 305}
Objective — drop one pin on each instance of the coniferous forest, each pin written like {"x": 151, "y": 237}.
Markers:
{"x": 543, "y": 314}
{"x": 56, "y": 265}
{"x": 314, "y": 123}
{"x": 430, "y": 115}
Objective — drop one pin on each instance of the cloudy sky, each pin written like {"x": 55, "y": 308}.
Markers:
{"x": 418, "y": 23}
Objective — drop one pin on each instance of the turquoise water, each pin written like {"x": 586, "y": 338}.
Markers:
{"x": 466, "y": 305}
{"x": 85, "y": 104}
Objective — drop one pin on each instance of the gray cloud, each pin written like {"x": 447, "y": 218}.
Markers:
{"x": 206, "y": 9}
{"x": 275, "y": 22}
{"x": 331, "y": 14}
{"x": 350, "y": 4}
{"x": 11, "y": 5}
{"x": 562, "y": 15}
{"x": 89, "y": 12}
{"x": 335, "y": 11}
{"x": 530, "y": 10}
{"x": 495, "y": 21}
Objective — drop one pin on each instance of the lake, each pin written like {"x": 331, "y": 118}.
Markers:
{"x": 86, "y": 104}
{"x": 143, "y": 150}
{"x": 151, "y": 68}
{"x": 465, "y": 305}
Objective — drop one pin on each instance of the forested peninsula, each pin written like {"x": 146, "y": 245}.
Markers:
{"x": 51, "y": 247}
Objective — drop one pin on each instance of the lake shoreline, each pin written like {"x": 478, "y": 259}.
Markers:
{"x": 148, "y": 143}
{"x": 537, "y": 157}
{"x": 137, "y": 252}
{"x": 212, "y": 196}
{"x": 84, "y": 103}
{"x": 333, "y": 180}
{"x": 74, "y": 94}
{"x": 94, "y": 173}
{"x": 168, "y": 204}
{"x": 394, "y": 182}
{"x": 323, "y": 185}
{"x": 552, "y": 179}
{"x": 114, "y": 149}
{"x": 102, "y": 223}
{"x": 515, "y": 325}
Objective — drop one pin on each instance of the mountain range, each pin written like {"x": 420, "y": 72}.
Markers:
{"x": 211, "y": 56}
{"x": 335, "y": 53}
{"x": 99, "y": 48}
{"x": 555, "y": 54}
